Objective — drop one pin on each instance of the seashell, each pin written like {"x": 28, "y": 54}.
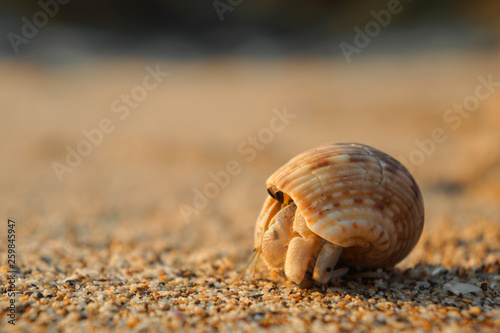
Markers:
{"x": 347, "y": 204}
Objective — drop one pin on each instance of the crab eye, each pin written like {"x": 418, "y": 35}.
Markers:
{"x": 279, "y": 196}
{"x": 276, "y": 194}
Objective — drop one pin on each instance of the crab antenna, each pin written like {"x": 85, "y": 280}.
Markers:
{"x": 259, "y": 250}
{"x": 256, "y": 253}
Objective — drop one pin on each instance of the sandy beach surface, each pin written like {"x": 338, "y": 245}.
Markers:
{"x": 117, "y": 225}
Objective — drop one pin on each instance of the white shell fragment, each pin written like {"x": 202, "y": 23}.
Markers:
{"x": 72, "y": 278}
{"x": 438, "y": 270}
{"x": 459, "y": 288}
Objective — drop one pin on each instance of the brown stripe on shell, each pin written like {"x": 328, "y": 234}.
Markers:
{"x": 319, "y": 164}
{"x": 358, "y": 200}
{"x": 390, "y": 169}
{"x": 357, "y": 158}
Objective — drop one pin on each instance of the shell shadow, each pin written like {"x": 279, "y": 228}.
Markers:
{"x": 401, "y": 284}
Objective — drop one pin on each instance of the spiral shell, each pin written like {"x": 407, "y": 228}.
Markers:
{"x": 353, "y": 196}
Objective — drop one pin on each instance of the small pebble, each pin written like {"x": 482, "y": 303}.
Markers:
{"x": 462, "y": 288}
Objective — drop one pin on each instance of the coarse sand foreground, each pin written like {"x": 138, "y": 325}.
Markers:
{"x": 143, "y": 287}
{"x": 108, "y": 248}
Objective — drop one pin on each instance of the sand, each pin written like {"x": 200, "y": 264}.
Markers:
{"x": 125, "y": 242}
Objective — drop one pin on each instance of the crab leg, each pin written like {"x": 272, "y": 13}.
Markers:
{"x": 297, "y": 258}
{"x": 325, "y": 264}
{"x": 340, "y": 272}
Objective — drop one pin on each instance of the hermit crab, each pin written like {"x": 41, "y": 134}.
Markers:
{"x": 338, "y": 205}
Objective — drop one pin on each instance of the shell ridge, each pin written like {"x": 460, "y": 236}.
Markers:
{"x": 382, "y": 173}
{"x": 319, "y": 180}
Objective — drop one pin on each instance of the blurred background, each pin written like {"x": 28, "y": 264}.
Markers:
{"x": 67, "y": 66}
{"x": 80, "y": 30}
